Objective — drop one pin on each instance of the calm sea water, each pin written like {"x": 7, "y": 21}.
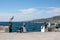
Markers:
{"x": 31, "y": 27}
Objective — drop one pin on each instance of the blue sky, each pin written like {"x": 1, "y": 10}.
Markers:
{"x": 24, "y": 10}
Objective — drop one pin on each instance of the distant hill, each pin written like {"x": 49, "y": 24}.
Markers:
{"x": 52, "y": 19}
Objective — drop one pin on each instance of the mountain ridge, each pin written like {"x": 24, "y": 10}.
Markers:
{"x": 51, "y": 19}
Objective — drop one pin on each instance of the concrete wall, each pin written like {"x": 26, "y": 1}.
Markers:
{"x": 4, "y": 29}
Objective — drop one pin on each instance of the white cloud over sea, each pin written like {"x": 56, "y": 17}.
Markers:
{"x": 30, "y": 14}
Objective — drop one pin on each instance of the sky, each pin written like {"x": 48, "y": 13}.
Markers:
{"x": 25, "y": 10}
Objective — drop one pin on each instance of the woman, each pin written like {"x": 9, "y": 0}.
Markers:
{"x": 22, "y": 29}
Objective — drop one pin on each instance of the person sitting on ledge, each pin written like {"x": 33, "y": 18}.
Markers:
{"x": 22, "y": 29}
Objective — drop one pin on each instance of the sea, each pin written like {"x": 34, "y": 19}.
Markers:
{"x": 31, "y": 27}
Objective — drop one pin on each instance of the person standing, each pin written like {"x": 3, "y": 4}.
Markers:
{"x": 45, "y": 24}
{"x": 56, "y": 27}
{"x": 10, "y": 26}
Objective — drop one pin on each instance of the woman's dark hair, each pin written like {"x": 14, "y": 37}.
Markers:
{"x": 24, "y": 25}
{"x": 56, "y": 27}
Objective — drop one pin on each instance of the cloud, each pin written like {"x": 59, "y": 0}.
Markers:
{"x": 57, "y": 10}
{"x": 28, "y": 10}
{"x": 30, "y": 14}
{"x": 54, "y": 11}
